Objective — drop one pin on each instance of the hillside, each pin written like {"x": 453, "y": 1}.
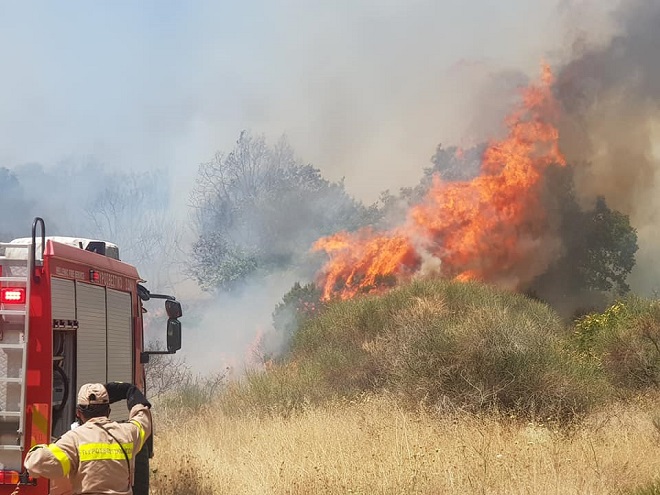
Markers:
{"x": 434, "y": 387}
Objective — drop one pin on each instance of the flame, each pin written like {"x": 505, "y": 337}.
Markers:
{"x": 492, "y": 228}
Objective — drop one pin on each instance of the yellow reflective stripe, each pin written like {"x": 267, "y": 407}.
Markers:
{"x": 142, "y": 432}
{"x": 104, "y": 451}
{"x": 62, "y": 457}
{"x": 39, "y": 428}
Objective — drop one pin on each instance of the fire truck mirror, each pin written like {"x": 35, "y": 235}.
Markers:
{"x": 173, "y": 309}
{"x": 173, "y": 335}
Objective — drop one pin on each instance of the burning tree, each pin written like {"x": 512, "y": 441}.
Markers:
{"x": 491, "y": 228}
{"x": 504, "y": 226}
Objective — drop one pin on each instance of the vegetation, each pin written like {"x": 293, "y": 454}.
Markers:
{"x": 259, "y": 209}
{"x": 449, "y": 345}
{"x": 435, "y": 387}
{"x": 373, "y": 445}
{"x": 12, "y": 198}
{"x": 599, "y": 246}
{"x": 624, "y": 342}
{"x": 130, "y": 209}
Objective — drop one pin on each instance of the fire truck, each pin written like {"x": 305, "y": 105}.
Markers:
{"x": 70, "y": 313}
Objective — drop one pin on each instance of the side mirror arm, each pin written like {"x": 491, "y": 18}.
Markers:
{"x": 144, "y": 355}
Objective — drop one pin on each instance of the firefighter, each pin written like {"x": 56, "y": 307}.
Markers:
{"x": 98, "y": 457}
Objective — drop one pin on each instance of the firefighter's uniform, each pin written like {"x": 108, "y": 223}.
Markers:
{"x": 98, "y": 456}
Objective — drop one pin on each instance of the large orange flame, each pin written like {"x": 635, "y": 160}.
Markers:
{"x": 492, "y": 228}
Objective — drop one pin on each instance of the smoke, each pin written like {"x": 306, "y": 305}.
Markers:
{"x": 364, "y": 90}
{"x": 610, "y": 128}
{"x": 234, "y": 330}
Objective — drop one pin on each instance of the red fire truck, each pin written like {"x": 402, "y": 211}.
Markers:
{"x": 70, "y": 313}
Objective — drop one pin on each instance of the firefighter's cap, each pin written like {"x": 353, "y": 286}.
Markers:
{"x": 92, "y": 394}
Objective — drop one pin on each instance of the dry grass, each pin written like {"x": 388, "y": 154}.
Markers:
{"x": 372, "y": 446}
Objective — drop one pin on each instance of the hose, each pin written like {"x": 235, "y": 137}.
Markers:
{"x": 65, "y": 380}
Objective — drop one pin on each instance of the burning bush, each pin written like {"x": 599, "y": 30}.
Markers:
{"x": 492, "y": 228}
{"x": 504, "y": 213}
{"x": 299, "y": 304}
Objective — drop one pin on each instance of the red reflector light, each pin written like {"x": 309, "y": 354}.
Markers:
{"x": 12, "y": 295}
{"x": 94, "y": 276}
{"x": 9, "y": 477}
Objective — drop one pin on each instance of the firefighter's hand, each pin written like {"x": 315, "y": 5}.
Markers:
{"x": 135, "y": 397}
{"x": 118, "y": 390}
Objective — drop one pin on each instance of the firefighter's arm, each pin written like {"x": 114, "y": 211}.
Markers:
{"x": 55, "y": 460}
{"x": 140, "y": 416}
{"x": 138, "y": 405}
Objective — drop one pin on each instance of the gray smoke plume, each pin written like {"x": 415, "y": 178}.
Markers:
{"x": 610, "y": 102}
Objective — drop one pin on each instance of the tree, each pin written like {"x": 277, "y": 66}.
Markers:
{"x": 599, "y": 247}
{"x": 13, "y": 199}
{"x": 132, "y": 210}
{"x": 259, "y": 209}
{"x": 609, "y": 244}
{"x": 450, "y": 164}
{"x": 598, "y": 243}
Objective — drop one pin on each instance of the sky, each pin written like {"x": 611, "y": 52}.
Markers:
{"x": 363, "y": 89}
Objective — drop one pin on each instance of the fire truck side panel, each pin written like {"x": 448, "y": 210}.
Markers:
{"x": 120, "y": 344}
{"x": 91, "y": 342}
{"x": 73, "y": 263}
{"x": 63, "y": 299}
{"x": 120, "y": 336}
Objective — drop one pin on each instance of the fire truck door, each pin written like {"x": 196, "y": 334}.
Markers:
{"x": 120, "y": 344}
{"x": 91, "y": 342}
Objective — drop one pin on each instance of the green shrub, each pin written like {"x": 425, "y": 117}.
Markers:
{"x": 624, "y": 341}
{"x": 477, "y": 348}
{"x": 299, "y": 304}
{"x": 439, "y": 341}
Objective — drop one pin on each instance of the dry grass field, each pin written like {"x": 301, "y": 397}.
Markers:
{"x": 371, "y": 446}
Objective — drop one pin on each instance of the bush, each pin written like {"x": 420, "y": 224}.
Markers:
{"x": 624, "y": 341}
{"x": 195, "y": 392}
{"x": 476, "y": 348}
{"x": 279, "y": 391}
{"x": 450, "y": 342}
{"x": 298, "y": 305}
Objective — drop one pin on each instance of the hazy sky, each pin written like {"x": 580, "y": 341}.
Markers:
{"x": 364, "y": 89}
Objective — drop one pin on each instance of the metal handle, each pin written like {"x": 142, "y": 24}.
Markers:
{"x": 33, "y": 261}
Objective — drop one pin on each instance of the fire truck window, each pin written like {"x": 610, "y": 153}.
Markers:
{"x": 96, "y": 247}
{"x": 112, "y": 252}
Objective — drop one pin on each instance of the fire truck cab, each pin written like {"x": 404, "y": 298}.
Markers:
{"x": 70, "y": 313}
